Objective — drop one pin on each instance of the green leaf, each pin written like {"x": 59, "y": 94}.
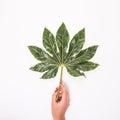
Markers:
{"x": 74, "y": 59}
{"x": 41, "y": 67}
{"x": 38, "y": 53}
{"x": 50, "y": 73}
{"x": 85, "y": 66}
{"x": 76, "y": 44}
{"x": 86, "y": 54}
{"x": 62, "y": 38}
{"x": 50, "y": 43}
{"x": 74, "y": 72}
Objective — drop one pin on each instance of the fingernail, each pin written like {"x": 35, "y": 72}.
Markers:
{"x": 59, "y": 99}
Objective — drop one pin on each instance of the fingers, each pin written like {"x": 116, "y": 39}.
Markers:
{"x": 54, "y": 95}
{"x": 63, "y": 94}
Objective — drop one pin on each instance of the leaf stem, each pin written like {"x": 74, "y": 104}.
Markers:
{"x": 61, "y": 74}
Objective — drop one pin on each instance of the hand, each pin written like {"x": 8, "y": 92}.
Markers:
{"x": 59, "y": 108}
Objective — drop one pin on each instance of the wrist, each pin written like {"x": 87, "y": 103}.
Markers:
{"x": 61, "y": 118}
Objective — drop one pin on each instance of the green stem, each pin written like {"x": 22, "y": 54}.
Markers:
{"x": 61, "y": 74}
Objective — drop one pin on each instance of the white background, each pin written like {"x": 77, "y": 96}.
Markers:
{"x": 23, "y": 96}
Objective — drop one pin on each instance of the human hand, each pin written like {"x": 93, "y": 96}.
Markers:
{"x": 59, "y": 108}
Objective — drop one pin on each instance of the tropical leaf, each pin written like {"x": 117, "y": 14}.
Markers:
{"x": 83, "y": 55}
{"x": 75, "y": 60}
{"x": 58, "y": 54}
{"x": 86, "y": 54}
{"x": 87, "y": 66}
{"x": 38, "y": 53}
{"x": 50, "y": 44}
{"x": 77, "y": 42}
{"x": 84, "y": 66}
{"x": 42, "y": 67}
{"x": 74, "y": 72}
{"x": 52, "y": 71}
{"x": 62, "y": 38}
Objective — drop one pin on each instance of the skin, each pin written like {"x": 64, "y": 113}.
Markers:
{"x": 59, "y": 108}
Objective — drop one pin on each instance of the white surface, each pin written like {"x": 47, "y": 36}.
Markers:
{"x": 23, "y": 96}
